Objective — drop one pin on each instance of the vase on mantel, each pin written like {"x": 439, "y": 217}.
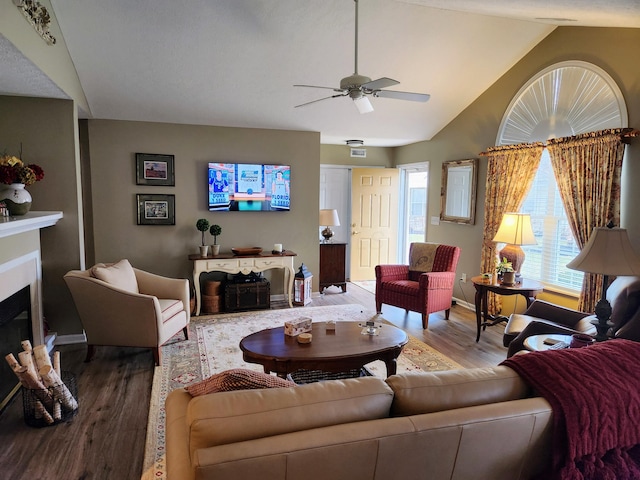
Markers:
{"x": 16, "y": 198}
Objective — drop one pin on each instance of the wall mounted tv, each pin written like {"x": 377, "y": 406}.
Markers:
{"x": 249, "y": 187}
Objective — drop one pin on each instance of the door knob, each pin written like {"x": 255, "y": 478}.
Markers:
{"x": 355, "y": 232}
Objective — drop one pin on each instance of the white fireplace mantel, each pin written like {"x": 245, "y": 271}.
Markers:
{"x": 23, "y": 267}
{"x": 25, "y": 223}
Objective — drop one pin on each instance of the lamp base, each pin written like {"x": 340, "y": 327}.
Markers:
{"x": 327, "y": 233}
{"x": 602, "y": 323}
{"x": 515, "y": 255}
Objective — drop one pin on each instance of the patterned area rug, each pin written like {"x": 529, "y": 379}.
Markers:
{"x": 214, "y": 347}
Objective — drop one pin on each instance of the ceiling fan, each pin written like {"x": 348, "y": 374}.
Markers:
{"x": 358, "y": 87}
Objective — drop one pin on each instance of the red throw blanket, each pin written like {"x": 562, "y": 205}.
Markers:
{"x": 595, "y": 396}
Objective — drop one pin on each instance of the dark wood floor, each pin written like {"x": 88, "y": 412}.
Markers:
{"x": 106, "y": 439}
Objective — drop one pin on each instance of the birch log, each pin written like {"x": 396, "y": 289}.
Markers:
{"x": 42, "y": 356}
{"x": 30, "y": 382}
{"x": 26, "y": 360}
{"x": 51, "y": 379}
{"x": 56, "y": 363}
{"x": 11, "y": 360}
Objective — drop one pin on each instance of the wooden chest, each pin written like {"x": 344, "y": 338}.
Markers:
{"x": 247, "y": 296}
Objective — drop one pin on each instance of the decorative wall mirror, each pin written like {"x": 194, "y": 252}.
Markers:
{"x": 458, "y": 194}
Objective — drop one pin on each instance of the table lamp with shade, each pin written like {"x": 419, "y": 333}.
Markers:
{"x": 515, "y": 230}
{"x": 328, "y": 218}
{"x": 608, "y": 252}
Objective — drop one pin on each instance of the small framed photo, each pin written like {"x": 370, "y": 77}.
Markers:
{"x": 156, "y": 209}
{"x": 155, "y": 169}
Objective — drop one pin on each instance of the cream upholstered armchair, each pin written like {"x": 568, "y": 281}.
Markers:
{"x": 122, "y": 306}
{"x": 425, "y": 285}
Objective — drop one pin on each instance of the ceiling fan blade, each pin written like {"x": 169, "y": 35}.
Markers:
{"x": 363, "y": 104}
{"x": 316, "y": 86}
{"x": 383, "y": 82}
{"x": 320, "y": 99}
{"x": 413, "y": 97}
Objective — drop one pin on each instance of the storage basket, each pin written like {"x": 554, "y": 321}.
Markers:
{"x": 300, "y": 377}
{"x": 212, "y": 288}
{"x": 212, "y": 303}
{"x": 33, "y": 405}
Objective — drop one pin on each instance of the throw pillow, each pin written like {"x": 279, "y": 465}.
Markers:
{"x": 237, "y": 379}
{"x": 118, "y": 274}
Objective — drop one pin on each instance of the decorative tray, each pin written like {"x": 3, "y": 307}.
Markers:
{"x": 246, "y": 251}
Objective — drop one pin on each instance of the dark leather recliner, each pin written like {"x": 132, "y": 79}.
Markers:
{"x": 545, "y": 318}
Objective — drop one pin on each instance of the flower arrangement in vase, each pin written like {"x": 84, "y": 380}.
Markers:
{"x": 15, "y": 175}
{"x": 215, "y": 230}
{"x": 203, "y": 225}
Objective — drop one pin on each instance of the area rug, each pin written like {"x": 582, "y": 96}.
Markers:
{"x": 214, "y": 347}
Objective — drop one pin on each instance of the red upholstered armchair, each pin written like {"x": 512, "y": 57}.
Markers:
{"x": 425, "y": 285}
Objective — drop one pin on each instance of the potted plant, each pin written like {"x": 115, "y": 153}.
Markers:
{"x": 505, "y": 272}
{"x": 203, "y": 225}
{"x": 215, "y": 230}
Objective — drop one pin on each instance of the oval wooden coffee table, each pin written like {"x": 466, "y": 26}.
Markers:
{"x": 341, "y": 350}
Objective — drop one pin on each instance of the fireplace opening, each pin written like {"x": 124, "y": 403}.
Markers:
{"x": 15, "y": 326}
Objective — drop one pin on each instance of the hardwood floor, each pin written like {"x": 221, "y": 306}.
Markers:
{"x": 106, "y": 438}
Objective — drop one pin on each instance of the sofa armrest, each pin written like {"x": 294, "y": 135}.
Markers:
{"x": 163, "y": 287}
{"x": 437, "y": 280}
{"x": 538, "y": 327}
{"x": 389, "y": 273}
{"x": 177, "y": 435}
{"x": 554, "y": 313}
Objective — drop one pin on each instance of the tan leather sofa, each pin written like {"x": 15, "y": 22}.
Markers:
{"x": 462, "y": 424}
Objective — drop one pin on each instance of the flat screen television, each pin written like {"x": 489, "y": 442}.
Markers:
{"x": 249, "y": 187}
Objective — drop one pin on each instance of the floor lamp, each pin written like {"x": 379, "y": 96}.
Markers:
{"x": 515, "y": 230}
{"x": 608, "y": 252}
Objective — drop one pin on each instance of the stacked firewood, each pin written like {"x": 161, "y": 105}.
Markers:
{"x": 43, "y": 379}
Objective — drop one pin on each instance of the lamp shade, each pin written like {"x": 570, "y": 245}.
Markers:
{"x": 329, "y": 218}
{"x": 515, "y": 229}
{"x": 608, "y": 252}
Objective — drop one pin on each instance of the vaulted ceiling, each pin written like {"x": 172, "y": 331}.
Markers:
{"x": 234, "y": 62}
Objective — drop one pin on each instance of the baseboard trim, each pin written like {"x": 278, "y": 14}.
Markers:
{"x": 71, "y": 339}
{"x": 465, "y": 304}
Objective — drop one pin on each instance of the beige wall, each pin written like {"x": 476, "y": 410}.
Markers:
{"x": 164, "y": 249}
{"x": 47, "y": 130}
{"x": 341, "y": 155}
{"x": 476, "y": 128}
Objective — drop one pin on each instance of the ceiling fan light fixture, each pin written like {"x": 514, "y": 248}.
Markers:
{"x": 363, "y": 104}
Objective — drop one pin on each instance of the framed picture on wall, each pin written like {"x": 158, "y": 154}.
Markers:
{"x": 154, "y": 209}
{"x": 155, "y": 169}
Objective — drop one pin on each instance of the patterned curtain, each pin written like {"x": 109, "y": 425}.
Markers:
{"x": 510, "y": 172}
{"x": 587, "y": 168}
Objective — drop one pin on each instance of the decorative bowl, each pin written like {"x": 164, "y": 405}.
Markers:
{"x": 246, "y": 251}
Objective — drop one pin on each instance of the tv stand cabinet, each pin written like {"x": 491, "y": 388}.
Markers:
{"x": 332, "y": 265}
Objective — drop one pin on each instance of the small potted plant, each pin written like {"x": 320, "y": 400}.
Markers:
{"x": 505, "y": 272}
{"x": 203, "y": 225}
{"x": 215, "y": 230}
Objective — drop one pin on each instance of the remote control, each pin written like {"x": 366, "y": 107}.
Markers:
{"x": 559, "y": 345}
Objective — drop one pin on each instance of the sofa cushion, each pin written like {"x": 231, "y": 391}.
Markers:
{"x": 237, "y": 379}
{"x": 421, "y": 392}
{"x": 120, "y": 275}
{"x": 228, "y": 417}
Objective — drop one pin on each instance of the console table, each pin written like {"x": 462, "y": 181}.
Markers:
{"x": 230, "y": 263}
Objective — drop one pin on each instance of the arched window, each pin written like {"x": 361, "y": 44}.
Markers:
{"x": 562, "y": 100}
